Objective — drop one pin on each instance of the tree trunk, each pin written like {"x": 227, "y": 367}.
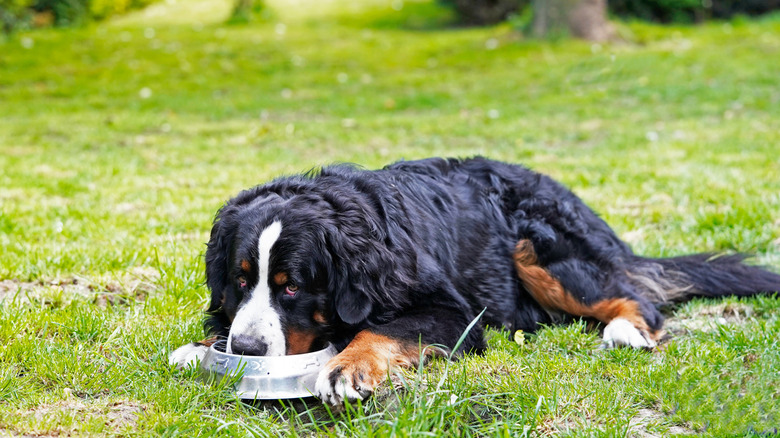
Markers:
{"x": 243, "y": 10}
{"x": 585, "y": 19}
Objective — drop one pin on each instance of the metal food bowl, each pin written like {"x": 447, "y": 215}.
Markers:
{"x": 266, "y": 377}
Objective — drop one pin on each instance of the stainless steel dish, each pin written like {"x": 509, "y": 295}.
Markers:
{"x": 266, "y": 377}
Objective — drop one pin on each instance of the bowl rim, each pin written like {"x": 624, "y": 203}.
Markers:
{"x": 267, "y": 377}
{"x": 281, "y": 359}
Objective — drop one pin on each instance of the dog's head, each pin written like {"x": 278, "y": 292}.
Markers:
{"x": 286, "y": 271}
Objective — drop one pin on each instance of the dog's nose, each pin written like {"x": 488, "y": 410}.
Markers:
{"x": 248, "y": 346}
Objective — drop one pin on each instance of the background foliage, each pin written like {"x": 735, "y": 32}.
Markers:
{"x": 688, "y": 11}
{"x": 665, "y": 11}
{"x": 22, "y": 13}
{"x": 486, "y": 11}
{"x": 14, "y": 13}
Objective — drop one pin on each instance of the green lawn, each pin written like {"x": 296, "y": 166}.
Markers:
{"x": 118, "y": 143}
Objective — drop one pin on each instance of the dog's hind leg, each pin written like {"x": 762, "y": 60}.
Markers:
{"x": 571, "y": 286}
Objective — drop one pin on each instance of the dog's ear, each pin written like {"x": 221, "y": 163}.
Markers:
{"x": 351, "y": 297}
{"x": 217, "y": 257}
{"x": 366, "y": 275}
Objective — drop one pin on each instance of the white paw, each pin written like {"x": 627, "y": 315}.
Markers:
{"x": 187, "y": 355}
{"x": 621, "y": 333}
{"x": 335, "y": 387}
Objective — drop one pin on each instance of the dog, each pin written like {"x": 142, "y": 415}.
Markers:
{"x": 391, "y": 266}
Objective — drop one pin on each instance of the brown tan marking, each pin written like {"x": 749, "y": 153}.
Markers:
{"x": 299, "y": 341}
{"x": 319, "y": 317}
{"x": 549, "y": 292}
{"x": 245, "y": 266}
{"x": 280, "y": 278}
{"x": 208, "y": 342}
{"x": 368, "y": 358}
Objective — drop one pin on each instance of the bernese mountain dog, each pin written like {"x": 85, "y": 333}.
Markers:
{"x": 392, "y": 266}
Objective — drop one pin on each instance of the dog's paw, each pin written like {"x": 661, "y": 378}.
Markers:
{"x": 621, "y": 333}
{"x": 348, "y": 378}
{"x": 187, "y": 355}
{"x": 354, "y": 373}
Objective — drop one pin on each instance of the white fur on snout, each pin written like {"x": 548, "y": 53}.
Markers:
{"x": 620, "y": 332}
{"x": 187, "y": 355}
{"x": 256, "y": 318}
{"x": 339, "y": 392}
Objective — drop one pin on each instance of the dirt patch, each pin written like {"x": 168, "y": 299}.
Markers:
{"x": 73, "y": 415}
{"x": 135, "y": 284}
{"x": 116, "y": 413}
{"x": 708, "y": 318}
{"x": 5, "y": 433}
{"x": 649, "y": 423}
{"x": 22, "y": 289}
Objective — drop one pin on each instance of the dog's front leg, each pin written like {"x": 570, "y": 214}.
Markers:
{"x": 354, "y": 373}
{"x": 190, "y": 354}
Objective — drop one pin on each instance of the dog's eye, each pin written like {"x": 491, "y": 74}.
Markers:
{"x": 291, "y": 290}
{"x": 241, "y": 281}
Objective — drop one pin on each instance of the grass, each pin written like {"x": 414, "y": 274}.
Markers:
{"x": 119, "y": 141}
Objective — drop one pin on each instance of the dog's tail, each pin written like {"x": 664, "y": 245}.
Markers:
{"x": 677, "y": 279}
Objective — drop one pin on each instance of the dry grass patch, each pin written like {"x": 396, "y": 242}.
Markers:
{"x": 73, "y": 415}
{"x": 707, "y": 318}
{"x": 136, "y": 284}
{"x": 650, "y": 423}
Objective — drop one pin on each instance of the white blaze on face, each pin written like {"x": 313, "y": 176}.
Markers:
{"x": 257, "y": 319}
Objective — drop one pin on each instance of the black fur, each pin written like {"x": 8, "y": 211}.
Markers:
{"x": 418, "y": 249}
